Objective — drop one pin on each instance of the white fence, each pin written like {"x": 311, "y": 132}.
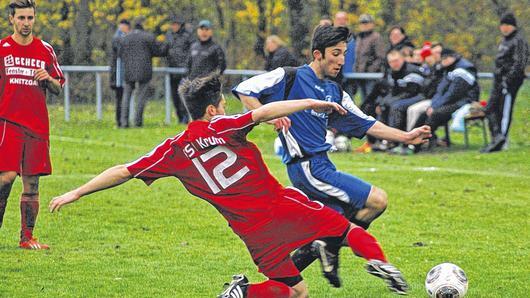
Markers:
{"x": 167, "y": 71}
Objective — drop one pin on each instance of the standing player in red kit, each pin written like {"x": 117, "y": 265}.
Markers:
{"x": 215, "y": 161}
{"x": 28, "y": 67}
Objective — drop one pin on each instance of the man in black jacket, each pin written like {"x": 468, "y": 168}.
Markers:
{"x": 116, "y": 66}
{"x": 206, "y": 55}
{"x": 136, "y": 51}
{"x": 179, "y": 42}
{"x": 278, "y": 54}
{"x": 510, "y": 63}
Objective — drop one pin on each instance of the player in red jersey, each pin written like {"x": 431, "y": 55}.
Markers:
{"x": 215, "y": 161}
{"x": 28, "y": 67}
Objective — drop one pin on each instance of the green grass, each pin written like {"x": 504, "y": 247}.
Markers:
{"x": 135, "y": 241}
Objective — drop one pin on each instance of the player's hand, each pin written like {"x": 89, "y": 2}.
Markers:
{"x": 320, "y": 106}
{"x": 59, "y": 201}
{"x": 419, "y": 135}
{"x": 280, "y": 123}
{"x": 42, "y": 75}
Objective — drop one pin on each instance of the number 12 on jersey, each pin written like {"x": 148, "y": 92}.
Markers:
{"x": 218, "y": 170}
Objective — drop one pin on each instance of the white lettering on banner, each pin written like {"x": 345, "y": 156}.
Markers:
{"x": 18, "y": 81}
{"x": 20, "y": 71}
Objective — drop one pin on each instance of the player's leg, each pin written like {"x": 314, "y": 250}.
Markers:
{"x": 11, "y": 144}
{"x": 29, "y": 210}
{"x": 375, "y": 205}
{"x": 239, "y": 287}
{"x": 6, "y": 183}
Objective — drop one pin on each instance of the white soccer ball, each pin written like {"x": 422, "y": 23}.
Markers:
{"x": 446, "y": 280}
{"x": 342, "y": 143}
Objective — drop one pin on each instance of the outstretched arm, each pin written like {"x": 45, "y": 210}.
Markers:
{"x": 107, "y": 179}
{"x": 279, "y": 109}
{"x": 414, "y": 137}
{"x": 253, "y": 103}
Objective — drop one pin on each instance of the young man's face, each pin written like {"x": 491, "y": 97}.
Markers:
{"x": 333, "y": 59}
{"x": 506, "y": 29}
{"x": 396, "y": 36}
{"x": 437, "y": 53}
{"x": 204, "y": 33}
{"x": 23, "y": 21}
{"x": 395, "y": 61}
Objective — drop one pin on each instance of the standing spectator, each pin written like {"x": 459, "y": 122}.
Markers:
{"x": 510, "y": 63}
{"x": 458, "y": 87}
{"x": 28, "y": 68}
{"x": 341, "y": 20}
{"x": 369, "y": 53}
{"x": 277, "y": 54}
{"x": 325, "y": 20}
{"x": 136, "y": 51}
{"x": 117, "y": 71}
{"x": 206, "y": 55}
{"x": 400, "y": 41}
{"x": 179, "y": 42}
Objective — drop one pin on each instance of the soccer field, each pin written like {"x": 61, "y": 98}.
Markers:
{"x": 135, "y": 241}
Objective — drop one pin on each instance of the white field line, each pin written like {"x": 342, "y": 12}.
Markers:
{"x": 378, "y": 168}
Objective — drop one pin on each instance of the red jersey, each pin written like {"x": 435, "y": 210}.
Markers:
{"x": 22, "y": 99}
{"x": 216, "y": 162}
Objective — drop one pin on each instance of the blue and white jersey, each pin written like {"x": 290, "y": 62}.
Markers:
{"x": 307, "y": 135}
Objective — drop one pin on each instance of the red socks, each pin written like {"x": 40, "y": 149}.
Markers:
{"x": 269, "y": 289}
{"x": 365, "y": 245}
{"x": 29, "y": 209}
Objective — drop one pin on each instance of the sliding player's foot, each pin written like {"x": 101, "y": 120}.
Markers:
{"x": 390, "y": 274}
{"x": 237, "y": 288}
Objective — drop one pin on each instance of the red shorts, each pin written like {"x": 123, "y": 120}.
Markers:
{"x": 23, "y": 152}
{"x": 296, "y": 221}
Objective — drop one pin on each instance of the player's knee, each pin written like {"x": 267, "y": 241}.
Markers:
{"x": 378, "y": 199}
{"x": 300, "y": 291}
{"x": 7, "y": 178}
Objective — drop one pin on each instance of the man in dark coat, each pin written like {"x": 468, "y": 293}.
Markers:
{"x": 136, "y": 51}
{"x": 179, "y": 42}
{"x": 510, "y": 63}
{"x": 278, "y": 54}
{"x": 206, "y": 55}
{"x": 117, "y": 71}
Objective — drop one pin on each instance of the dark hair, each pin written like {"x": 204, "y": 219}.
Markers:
{"x": 401, "y": 29}
{"x": 125, "y": 22}
{"x": 199, "y": 93}
{"x": 327, "y": 36}
{"x": 394, "y": 51}
{"x": 14, "y": 4}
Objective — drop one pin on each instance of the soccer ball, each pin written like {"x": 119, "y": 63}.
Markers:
{"x": 446, "y": 280}
{"x": 342, "y": 143}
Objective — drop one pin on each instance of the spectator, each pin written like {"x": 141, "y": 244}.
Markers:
{"x": 206, "y": 55}
{"x": 369, "y": 53}
{"x": 325, "y": 20}
{"x": 510, "y": 64}
{"x": 459, "y": 86}
{"x": 341, "y": 20}
{"x": 136, "y": 51}
{"x": 400, "y": 41}
{"x": 277, "y": 54}
{"x": 117, "y": 71}
{"x": 179, "y": 42}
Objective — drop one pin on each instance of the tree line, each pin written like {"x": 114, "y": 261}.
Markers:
{"x": 81, "y": 30}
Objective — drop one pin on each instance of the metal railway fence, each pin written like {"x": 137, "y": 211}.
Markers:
{"x": 166, "y": 72}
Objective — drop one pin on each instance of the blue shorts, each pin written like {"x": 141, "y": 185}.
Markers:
{"x": 319, "y": 179}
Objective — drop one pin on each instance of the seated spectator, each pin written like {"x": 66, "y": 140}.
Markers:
{"x": 458, "y": 87}
{"x": 278, "y": 54}
{"x": 400, "y": 41}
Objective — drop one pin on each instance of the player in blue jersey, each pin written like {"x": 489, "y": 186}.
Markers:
{"x": 303, "y": 137}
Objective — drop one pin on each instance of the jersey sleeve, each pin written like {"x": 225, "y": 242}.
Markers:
{"x": 267, "y": 87}
{"x": 54, "y": 69}
{"x": 158, "y": 163}
{"x": 234, "y": 126}
{"x": 355, "y": 123}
